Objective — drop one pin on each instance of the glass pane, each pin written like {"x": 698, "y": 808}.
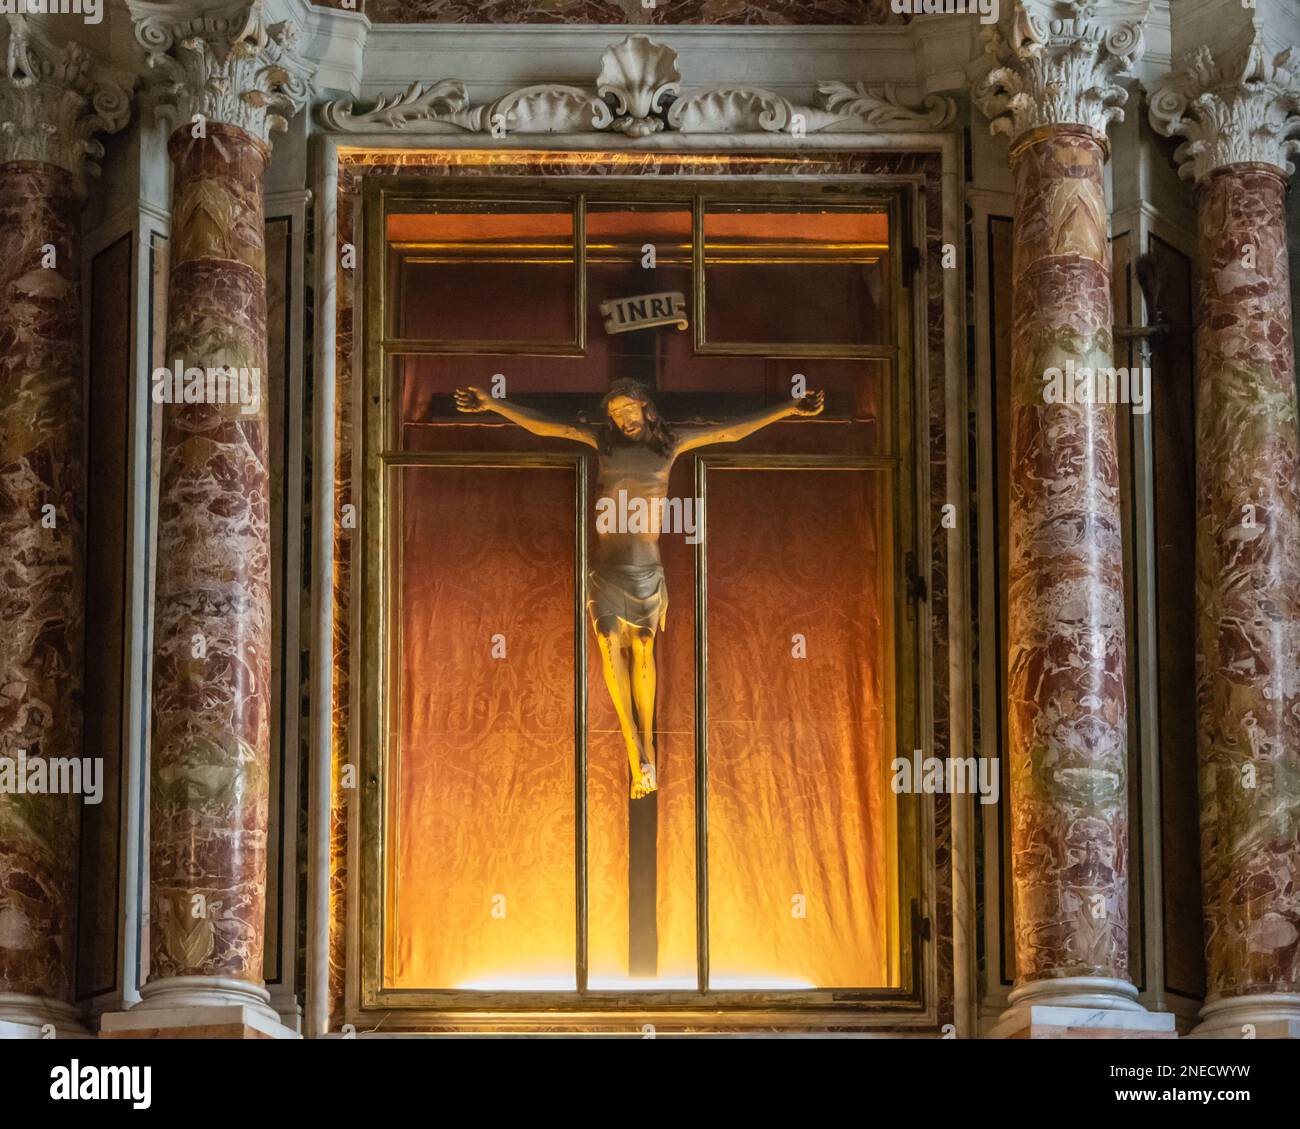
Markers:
{"x": 641, "y": 858}
{"x": 796, "y": 275}
{"x": 492, "y": 271}
{"x": 482, "y": 839}
{"x": 638, "y": 256}
{"x": 641, "y": 865}
{"x": 800, "y": 729}
{"x": 481, "y": 879}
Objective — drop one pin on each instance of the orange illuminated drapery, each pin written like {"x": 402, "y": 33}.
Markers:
{"x": 798, "y": 810}
{"x": 481, "y": 877}
{"x": 482, "y": 881}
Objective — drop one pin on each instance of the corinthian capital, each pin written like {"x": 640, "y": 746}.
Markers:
{"x": 54, "y": 100}
{"x": 1242, "y": 107}
{"x": 227, "y": 65}
{"x": 1057, "y": 62}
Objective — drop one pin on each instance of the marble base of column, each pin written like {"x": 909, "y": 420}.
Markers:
{"x": 22, "y": 1011}
{"x": 1080, "y": 1007}
{"x": 198, "y": 1007}
{"x": 284, "y": 1002}
{"x": 1271, "y": 1015}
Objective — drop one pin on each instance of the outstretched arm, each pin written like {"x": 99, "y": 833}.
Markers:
{"x": 732, "y": 431}
{"x": 473, "y": 400}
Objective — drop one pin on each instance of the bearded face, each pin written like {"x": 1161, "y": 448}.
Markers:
{"x": 628, "y": 417}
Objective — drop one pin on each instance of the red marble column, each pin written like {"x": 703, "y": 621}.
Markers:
{"x": 1068, "y": 714}
{"x": 1053, "y": 86}
{"x": 1236, "y": 99}
{"x": 226, "y": 79}
{"x": 41, "y": 610}
{"x": 212, "y": 631}
{"x": 54, "y": 100}
{"x": 1248, "y": 588}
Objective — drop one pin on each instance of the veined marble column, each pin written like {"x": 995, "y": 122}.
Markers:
{"x": 1236, "y": 116}
{"x": 230, "y": 82}
{"x": 1051, "y": 87}
{"x": 51, "y": 106}
{"x": 212, "y": 624}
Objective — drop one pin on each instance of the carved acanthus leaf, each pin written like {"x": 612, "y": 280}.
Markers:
{"x": 1058, "y": 62}
{"x": 440, "y": 101}
{"x": 1241, "y": 109}
{"x": 226, "y": 66}
{"x": 54, "y": 101}
{"x": 883, "y": 110}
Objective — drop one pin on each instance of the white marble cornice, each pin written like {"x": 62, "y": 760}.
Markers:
{"x": 1241, "y": 107}
{"x": 227, "y": 65}
{"x": 638, "y": 92}
{"x": 334, "y": 39}
{"x": 1059, "y": 62}
{"x": 54, "y": 101}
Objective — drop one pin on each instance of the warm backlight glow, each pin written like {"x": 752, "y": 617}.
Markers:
{"x": 868, "y": 229}
{"x": 688, "y": 983}
{"x": 565, "y": 983}
{"x": 482, "y": 889}
{"x": 482, "y": 825}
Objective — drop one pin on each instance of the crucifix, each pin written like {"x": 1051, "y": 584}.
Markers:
{"x": 627, "y": 597}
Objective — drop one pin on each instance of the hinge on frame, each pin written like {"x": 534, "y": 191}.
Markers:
{"x": 920, "y": 923}
{"x": 917, "y": 589}
{"x": 915, "y": 260}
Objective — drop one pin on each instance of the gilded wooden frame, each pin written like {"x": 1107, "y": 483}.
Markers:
{"x": 912, "y": 1002}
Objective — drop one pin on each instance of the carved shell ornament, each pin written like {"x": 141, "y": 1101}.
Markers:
{"x": 638, "y": 92}
{"x": 639, "y": 74}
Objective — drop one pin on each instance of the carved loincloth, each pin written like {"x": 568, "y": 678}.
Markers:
{"x": 635, "y": 594}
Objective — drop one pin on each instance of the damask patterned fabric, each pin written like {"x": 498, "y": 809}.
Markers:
{"x": 798, "y": 729}
{"x": 483, "y": 888}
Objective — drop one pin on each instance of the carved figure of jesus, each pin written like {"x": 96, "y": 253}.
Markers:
{"x": 627, "y": 598}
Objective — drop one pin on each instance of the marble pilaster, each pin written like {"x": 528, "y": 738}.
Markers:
{"x": 52, "y": 103}
{"x": 1236, "y": 112}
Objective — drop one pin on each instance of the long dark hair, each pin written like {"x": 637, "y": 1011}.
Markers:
{"x": 659, "y": 436}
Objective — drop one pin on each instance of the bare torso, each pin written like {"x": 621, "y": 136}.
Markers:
{"x": 641, "y": 472}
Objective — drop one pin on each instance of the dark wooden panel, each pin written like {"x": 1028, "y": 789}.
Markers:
{"x": 1174, "y": 433}
{"x": 108, "y": 572}
{"x": 1000, "y": 285}
{"x": 1123, "y": 282}
{"x": 279, "y": 232}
